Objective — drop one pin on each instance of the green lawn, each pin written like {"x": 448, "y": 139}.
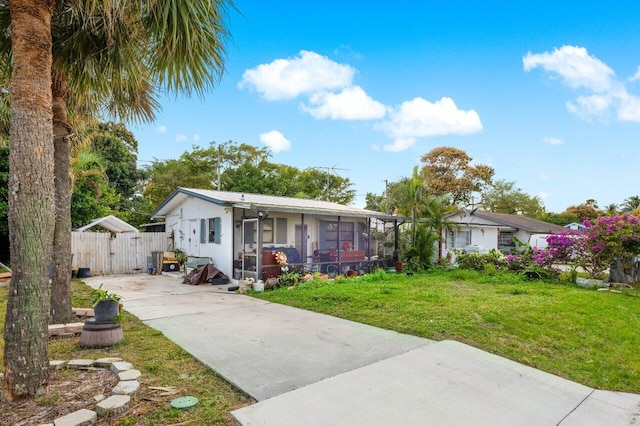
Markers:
{"x": 584, "y": 335}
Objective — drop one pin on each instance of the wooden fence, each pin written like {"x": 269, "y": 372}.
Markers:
{"x": 125, "y": 253}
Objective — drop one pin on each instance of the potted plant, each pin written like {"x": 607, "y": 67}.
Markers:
{"x": 106, "y": 305}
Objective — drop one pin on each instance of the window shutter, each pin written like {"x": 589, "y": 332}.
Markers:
{"x": 203, "y": 231}
{"x": 216, "y": 224}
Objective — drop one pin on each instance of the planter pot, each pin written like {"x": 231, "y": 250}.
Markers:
{"x": 106, "y": 310}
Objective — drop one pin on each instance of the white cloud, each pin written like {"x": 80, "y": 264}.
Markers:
{"x": 421, "y": 118}
{"x": 587, "y": 107}
{"x": 544, "y": 176}
{"x": 400, "y": 144}
{"x": 575, "y": 66}
{"x": 161, "y": 129}
{"x": 350, "y": 104}
{"x": 629, "y": 109}
{"x": 608, "y": 97}
{"x": 553, "y": 141}
{"x": 196, "y": 137}
{"x": 287, "y": 78}
{"x": 542, "y": 195}
{"x": 180, "y": 137}
{"x": 275, "y": 141}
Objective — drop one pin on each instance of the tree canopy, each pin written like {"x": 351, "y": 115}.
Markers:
{"x": 448, "y": 170}
{"x": 242, "y": 168}
{"x": 502, "y": 196}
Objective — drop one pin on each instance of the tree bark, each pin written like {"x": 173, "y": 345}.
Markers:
{"x": 31, "y": 200}
{"x": 617, "y": 273}
{"x": 61, "y": 309}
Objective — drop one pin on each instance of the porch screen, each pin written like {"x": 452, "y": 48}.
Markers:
{"x": 329, "y": 234}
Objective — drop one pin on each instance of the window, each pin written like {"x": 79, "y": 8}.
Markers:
{"x": 505, "y": 240}
{"x": 458, "y": 239}
{"x": 267, "y": 230}
{"x": 281, "y": 230}
{"x": 210, "y": 230}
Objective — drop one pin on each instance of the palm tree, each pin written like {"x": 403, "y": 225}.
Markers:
{"x": 31, "y": 199}
{"x": 631, "y": 203}
{"x": 408, "y": 197}
{"x": 113, "y": 58}
{"x": 109, "y": 57}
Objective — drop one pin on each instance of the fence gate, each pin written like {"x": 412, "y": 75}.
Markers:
{"x": 124, "y": 253}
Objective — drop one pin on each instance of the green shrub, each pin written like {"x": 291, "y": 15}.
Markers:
{"x": 480, "y": 261}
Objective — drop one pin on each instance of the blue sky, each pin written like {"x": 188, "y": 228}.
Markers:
{"x": 545, "y": 92}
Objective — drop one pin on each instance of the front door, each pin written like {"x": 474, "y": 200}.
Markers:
{"x": 193, "y": 238}
{"x": 301, "y": 239}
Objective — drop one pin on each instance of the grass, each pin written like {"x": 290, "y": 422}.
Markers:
{"x": 584, "y": 335}
{"x": 162, "y": 364}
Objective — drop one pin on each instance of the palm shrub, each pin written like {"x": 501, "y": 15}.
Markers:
{"x": 419, "y": 256}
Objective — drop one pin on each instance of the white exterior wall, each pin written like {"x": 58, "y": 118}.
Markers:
{"x": 488, "y": 240}
{"x": 485, "y": 237}
{"x": 184, "y": 221}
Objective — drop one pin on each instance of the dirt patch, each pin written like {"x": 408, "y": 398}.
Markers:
{"x": 69, "y": 391}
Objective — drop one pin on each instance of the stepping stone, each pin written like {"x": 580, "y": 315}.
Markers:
{"x": 56, "y": 365}
{"x": 82, "y": 417}
{"x": 73, "y": 328}
{"x": 105, "y": 362}
{"x": 120, "y": 366}
{"x": 57, "y": 329}
{"x": 80, "y": 364}
{"x": 128, "y": 387}
{"x": 113, "y": 406}
{"x": 129, "y": 375}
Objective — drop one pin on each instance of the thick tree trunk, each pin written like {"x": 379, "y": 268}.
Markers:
{"x": 617, "y": 273}
{"x": 61, "y": 309}
{"x": 31, "y": 200}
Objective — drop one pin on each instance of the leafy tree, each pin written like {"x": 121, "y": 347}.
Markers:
{"x": 448, "y": 170}
{"x": 31, "y": 199}
{"x": 92, "y": 196}
{"x": 503, "y": 197}
{"x": 587, "y": 210}
{"x": 243, "y": 168}
{"x": 117, "y": 148}
{"x": 375, "y": 202}
{"x": 320, "y": 185}
{"x": 631, "y": 203}
{"x": 561, "y": 219}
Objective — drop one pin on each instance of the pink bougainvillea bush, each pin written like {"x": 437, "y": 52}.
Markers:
{"x": 607, "y": 242}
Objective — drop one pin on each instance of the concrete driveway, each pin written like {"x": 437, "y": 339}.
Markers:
{"x": 313, "y": 369}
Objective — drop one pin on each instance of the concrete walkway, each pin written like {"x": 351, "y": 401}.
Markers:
{"x": 313, "y": 369}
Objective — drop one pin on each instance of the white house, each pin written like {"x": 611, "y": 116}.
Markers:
{"x": 243, "y": 232}
{"x": 482, "y": 231}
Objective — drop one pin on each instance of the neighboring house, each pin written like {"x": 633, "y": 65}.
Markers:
{"x": 482, "y": 231}
{"x": 243, "y": 232}
{"x": 576, "y": 226}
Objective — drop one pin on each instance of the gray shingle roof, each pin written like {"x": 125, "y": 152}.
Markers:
{"x": 520, "y": 222}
